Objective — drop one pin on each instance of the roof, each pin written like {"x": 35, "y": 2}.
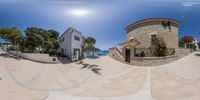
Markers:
{"x": 71, "y": 28}
{"x": 150, "y": 19}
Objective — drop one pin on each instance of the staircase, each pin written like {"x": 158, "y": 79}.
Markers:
{"x": 119, "y": 51}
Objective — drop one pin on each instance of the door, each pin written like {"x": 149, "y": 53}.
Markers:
{"x": 62, "y": 52}
{"x": 77, "y": 53}
{"x": 128, "y": 55}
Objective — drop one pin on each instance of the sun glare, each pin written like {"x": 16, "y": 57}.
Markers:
{"x": 79, "y": 12}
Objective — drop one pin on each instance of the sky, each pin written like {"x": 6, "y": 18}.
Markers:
{"x": 105, "y": 20}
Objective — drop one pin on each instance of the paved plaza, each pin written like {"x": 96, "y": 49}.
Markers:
{"x": 28, "y": 80}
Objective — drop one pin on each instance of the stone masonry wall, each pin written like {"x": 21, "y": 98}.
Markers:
{"x": 115, "y": 55}
{"x": 143, "y": 32}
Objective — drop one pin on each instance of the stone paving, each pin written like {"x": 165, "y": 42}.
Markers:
{"x": 30, "y": 80}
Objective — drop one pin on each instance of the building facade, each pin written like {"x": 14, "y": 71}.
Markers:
{"x": 71, "y": 42}
{"x": 140, "y": 35}
{"x": 144, "y": 30}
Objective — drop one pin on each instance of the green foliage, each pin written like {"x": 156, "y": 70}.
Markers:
{"x": 89, "y": 43}
{"x": 11, "y": 34}
{"x": 38, "y": 38}
{"x": 53, "y": 53}
{"x": 35, "y": 40}
{"x": 185, "y": 39}
{"x": 54, "y": 37}
{"x": 12, "y": 48}
{"x": 158, "y": 47}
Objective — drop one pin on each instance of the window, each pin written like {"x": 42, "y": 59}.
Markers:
{"x": 153, "y": 37}
{"x": 77, "y": 38}
{"x": 63, "y": 39}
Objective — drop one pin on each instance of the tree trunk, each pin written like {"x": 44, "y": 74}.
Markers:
{"x": 17, "y": 49}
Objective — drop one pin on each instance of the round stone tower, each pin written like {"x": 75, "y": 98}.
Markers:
{"x": 146, "y": 29}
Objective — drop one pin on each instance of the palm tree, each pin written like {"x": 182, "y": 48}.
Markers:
{"x": 89, "y": 44}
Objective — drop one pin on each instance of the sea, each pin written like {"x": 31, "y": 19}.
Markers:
{"x": 100, "y": 53}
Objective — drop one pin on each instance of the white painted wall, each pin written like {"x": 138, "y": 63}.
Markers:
{"x": 44, "y": 58}
{"x": 69, "y": 43}
{"x": 76, "y": 44}
{"x": 66, "y": 44}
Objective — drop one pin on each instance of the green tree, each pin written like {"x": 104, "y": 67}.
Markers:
{"x": 54, "y": 37}
{"x": 158, "y": 47}
{"x": 185, "y": 39}
{"x": 89, "y": 43}
{"x": 47, "y": 40}
{"x": 38, "y": 38}
{"x": 12, "y": 35}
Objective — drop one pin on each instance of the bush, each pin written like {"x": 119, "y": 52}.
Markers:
{"x": 27, "y": 50}
{"x": 158, "y": 47}
{"x": 53, "y": 53}
{"x": 12, "y": 48}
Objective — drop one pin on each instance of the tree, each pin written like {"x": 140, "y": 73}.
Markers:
{"x": 158, "y": 47}
{"x": 89, "y": 43}
{"x": 47, "y": 40}
{"x": 38, "y": 38}
{"x": 185, "y": 39}
{"x": 54, "y": 37}
{"x": 12, "y": 35}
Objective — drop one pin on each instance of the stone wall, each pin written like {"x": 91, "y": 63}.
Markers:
{"x": 113, "y": 53}
{"x": 143, "y": 32}
{"x": 43, "y": 58}
{"x": 153, "y": 61}
{"x": 150, "y": 61}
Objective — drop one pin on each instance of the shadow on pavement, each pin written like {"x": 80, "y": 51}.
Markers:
{"x": 94, "y": 68}
{"x": 64, "y": 60}
{"x": 92, "y": 57}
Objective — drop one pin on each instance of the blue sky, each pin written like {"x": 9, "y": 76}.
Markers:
{"x": 103, "y": 19}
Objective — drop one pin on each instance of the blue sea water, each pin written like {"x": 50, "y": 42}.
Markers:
{"x": 100, "y": 53}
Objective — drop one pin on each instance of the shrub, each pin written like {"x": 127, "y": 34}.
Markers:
{"x": 53, "y": 53}
{"x": 12, "y": 48}
{"x": 158, "y": 47}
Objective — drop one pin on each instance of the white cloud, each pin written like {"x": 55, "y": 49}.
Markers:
{"x": 189, "y": 4}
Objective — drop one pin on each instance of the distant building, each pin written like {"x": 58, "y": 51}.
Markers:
{"x": 70, "y": 44}
{"x": 193, "y": 45}
{"x": 195, "y": 42}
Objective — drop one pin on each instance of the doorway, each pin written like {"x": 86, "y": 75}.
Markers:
{"x": 77, "y": 53}
{"x": 128, "y": 55}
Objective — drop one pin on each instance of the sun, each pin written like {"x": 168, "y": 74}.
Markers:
{"x": 79, "y": 12}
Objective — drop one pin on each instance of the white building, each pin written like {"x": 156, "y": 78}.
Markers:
{"x": 195, "y": 42}
{"x": 70, "y": 44}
